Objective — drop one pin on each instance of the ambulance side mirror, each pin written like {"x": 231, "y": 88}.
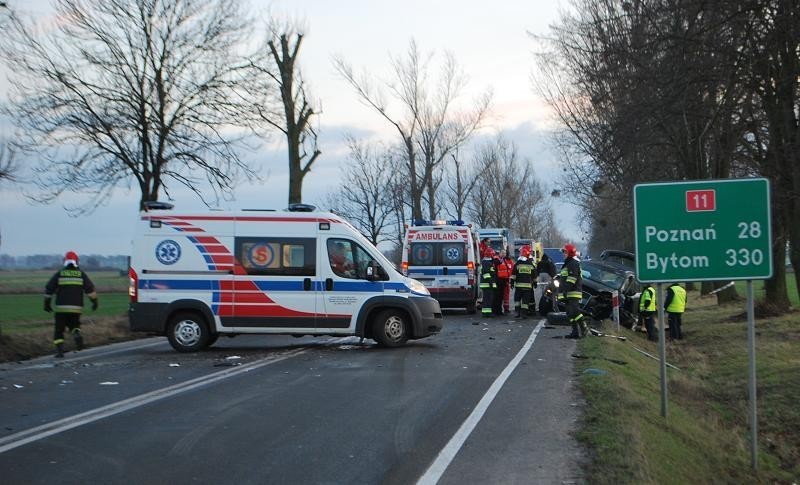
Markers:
{"x": 375, "y": 272}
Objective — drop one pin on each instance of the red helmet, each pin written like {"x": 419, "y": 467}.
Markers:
{"x": 570, "y": 249}
{"x": 71, "y": 257}
{"x": 489, "y": 252}
{"x": 525, "y": 251}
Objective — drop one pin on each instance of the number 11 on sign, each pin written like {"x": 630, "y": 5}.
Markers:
{"x": 700, "y": 200}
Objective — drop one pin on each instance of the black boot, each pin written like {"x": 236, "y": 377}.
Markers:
{"x": 575, "y": 332}
{"x": 76, "y": 334}
{"x": 59, "y": 351}
{"x": 584, "y": 328}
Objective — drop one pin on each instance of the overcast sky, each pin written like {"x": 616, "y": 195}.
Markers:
{"x": 489, "y": 40}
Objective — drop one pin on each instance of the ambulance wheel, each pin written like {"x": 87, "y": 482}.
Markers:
{"x": 390, "y": 328}
{"x": 188, "y": 332}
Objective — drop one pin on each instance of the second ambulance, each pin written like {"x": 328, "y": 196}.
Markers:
{"x": 443, "y": 255}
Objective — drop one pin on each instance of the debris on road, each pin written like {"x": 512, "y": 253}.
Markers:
{"x": 109, "y": 383}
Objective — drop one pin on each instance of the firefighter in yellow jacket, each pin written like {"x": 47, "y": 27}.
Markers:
{"x": 522, "y": 280}
{"x": 68, "y": 286}
{"x": 571, "y": 290}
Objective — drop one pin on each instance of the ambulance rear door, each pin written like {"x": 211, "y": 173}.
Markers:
{"x": 438, "y": 259}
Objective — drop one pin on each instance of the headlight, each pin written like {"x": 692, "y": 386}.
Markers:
{"x": 556, "y": 283}
{"x": 418, "y": 287}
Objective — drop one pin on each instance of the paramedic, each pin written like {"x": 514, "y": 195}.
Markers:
{"x": 68, "y": 285}
{"x": 504, "y": 268}
{"x": 340, "y": 263}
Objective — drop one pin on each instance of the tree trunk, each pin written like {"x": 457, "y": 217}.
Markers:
{"x": 728, "y": 294}
{"x": 775, "y": 287}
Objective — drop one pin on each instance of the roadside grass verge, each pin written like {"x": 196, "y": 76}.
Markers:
{"x": 705, "y": 436}
{"x": 38, "y": 341}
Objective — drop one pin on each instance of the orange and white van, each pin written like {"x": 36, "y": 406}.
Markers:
{"x": 443, "y": 255}
{"x": 196, "y": 276}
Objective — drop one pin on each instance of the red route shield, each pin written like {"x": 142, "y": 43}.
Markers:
{"x": 701, "y": 200}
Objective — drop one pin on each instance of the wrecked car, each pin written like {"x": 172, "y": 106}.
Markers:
{"x": 600, "y": 279}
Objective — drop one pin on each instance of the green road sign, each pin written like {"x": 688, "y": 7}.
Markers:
{"x": 703, "y": 230}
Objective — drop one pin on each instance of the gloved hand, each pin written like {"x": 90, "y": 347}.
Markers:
{"x": 94, "y": 304}
{"x": 47, "y": 306}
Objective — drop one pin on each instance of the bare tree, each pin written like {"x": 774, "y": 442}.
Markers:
{"x": 365, "y": 197}
{"x": 425, "y": 117}
{"x": 461, "y": 179}
{"x": 8, "y": 165}
{"x": 644, "y": 90}
{"x": 507, "y": 193}
{"x": 123, "y": 90}
{"x": 292, "y": 113}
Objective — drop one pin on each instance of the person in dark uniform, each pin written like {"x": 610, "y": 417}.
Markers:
{"x": 488, "y": 282}
{"x": 522, "y": 281}
{"x": 546, "y": 266}
{"x": 572, "y": 290}
{"x": 68, "y": 286}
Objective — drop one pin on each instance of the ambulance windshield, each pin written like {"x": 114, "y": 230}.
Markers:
{"x": 438, "y": 254}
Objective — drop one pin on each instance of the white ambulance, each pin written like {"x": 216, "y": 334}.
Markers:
{"x": 194, "y": 277}
{"x": 443, "y": 255}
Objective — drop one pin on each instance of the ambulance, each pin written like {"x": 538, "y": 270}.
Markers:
{"x": 443, "y": 255}
{"x": 197, "y": 276}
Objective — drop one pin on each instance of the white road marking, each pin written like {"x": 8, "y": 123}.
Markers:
{"x": 33, "y": 434}
{"x": 448, "y": 453}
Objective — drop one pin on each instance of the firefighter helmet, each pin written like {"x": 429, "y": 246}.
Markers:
{"x": 489, "y": 252}
{"x": 71, "y": 257}
{"x": 525, "y": 251}
{"x": 570, "y": 250}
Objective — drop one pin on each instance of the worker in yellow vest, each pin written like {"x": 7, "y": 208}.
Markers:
{"x": 647, "y": 309}
{"x": 675, "y": 305}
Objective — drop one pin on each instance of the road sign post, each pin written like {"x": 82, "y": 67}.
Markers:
{"x": 705, "y": 230}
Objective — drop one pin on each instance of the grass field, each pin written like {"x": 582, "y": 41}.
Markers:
{"x": 24, "y": 312}
{"x": 704, "y": 438}
{"x": 35, "y": 281}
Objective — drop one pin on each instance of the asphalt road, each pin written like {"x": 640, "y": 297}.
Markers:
{"x": 486, "y": 401}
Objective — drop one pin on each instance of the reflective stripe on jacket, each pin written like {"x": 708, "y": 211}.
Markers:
{"x": 68, "y": 286}
{"x": 571, "y": 279}
{"x": 524, "y": 273}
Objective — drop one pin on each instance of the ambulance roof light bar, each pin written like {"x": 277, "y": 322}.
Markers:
{"x": 425, "y": 222}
